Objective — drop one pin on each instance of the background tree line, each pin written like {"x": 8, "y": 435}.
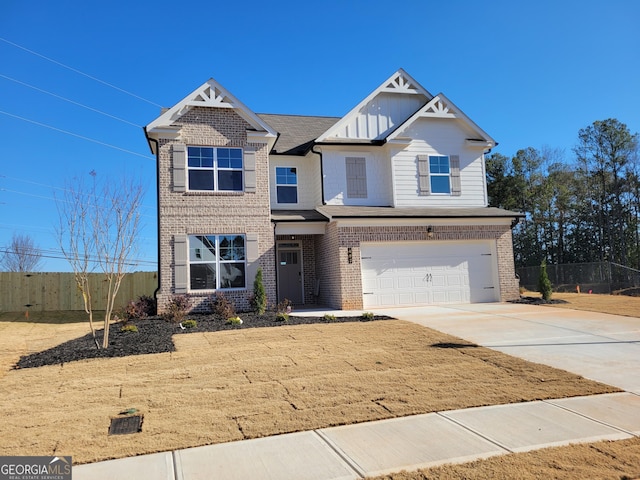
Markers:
{"x": 580, "y": 209}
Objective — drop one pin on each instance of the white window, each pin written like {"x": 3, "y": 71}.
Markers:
{"x": 286, "y": 185}
{"x": 439, "y": 173}
{"x": 217, "y": 262}
{"x": 215, "y": 168}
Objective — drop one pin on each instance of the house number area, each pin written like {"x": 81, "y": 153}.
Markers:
{"x": 428, "y": 278}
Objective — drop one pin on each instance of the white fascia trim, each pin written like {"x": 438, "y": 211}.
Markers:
{"x": 180, "y": 108}
{"x": 482, "y": 144}
{"x": 490, "y": 142}
{"x": 260, "y": 137}
{"x": 394, "y": 222}
{"x": 164, "y": 132}
{"x": 302, "y": 228}
{"x": 382, "y": 88}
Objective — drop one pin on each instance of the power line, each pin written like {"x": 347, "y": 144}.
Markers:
{"x": 48, "y": 186}
{"x": 2, "y": 189}
{"x": 70, "y": 101}
{"x": 75, "y": 134}
{"x": 79, "y": 72}
{"x": 59, "y": 256}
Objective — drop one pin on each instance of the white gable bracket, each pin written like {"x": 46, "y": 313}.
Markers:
{"x": 210, "y": 94}
{"x": 400, "y": 82}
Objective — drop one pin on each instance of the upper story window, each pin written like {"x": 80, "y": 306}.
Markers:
{"x": 215, "y": 168}
{"x": 217, "y": 262}
{"x": 439, "y": 174}
{"x": 287, "y": 184}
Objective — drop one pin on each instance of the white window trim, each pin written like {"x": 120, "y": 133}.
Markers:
{"x": 217, "y": 262}
{"x": 275, "y": 174}
{"x": 215, "y": 169}
{"x": 432, "y": 175}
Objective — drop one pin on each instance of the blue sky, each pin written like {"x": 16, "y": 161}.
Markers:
{"x": 530, "y": 73}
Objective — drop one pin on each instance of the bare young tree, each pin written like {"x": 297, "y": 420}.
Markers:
{"x": 98, "y": 226}
{"x": 22, "y": 255}
{"x": 74, "y": 234}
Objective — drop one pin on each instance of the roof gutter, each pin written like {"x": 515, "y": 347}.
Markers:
{"x": 157, "y": 151}
{"x": 375, "y": 143}
{"x": 321, "y": 172}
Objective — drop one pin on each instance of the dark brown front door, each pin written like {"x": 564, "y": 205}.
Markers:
{"x": 290, "y": 275}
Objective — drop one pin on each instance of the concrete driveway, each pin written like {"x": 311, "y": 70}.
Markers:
{"x": 597, "y": 346}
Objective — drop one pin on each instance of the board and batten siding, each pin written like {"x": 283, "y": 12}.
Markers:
{"x": 378, "y": 174}
{"x": 380, "y": 115}
{"x": 309, "y": 188}
{"x": 433, "y": 137}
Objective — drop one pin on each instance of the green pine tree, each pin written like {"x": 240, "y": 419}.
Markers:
{"x": 259, "y": 295}
{"x": 544, "y": 284}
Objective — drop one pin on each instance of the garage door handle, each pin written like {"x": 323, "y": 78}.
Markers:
{"x": 366, "y": 258}
{"x": 367, "y": 293}
{"x": 489, "y": 288}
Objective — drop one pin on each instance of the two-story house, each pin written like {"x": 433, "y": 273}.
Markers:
{"x": 386, "y": 206}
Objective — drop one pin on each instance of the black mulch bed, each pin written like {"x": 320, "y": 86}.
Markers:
{"x": 154, "y": 336}
{"x": 538, "y": 301}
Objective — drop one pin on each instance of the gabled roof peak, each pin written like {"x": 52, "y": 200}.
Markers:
{"x": 209, "y": 94}
{"x": 441, "y": 107}
{"x": 411, "y": 96}
{"x": 402, "y": 82}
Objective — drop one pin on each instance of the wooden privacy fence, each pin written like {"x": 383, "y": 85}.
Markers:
{"x": 46, "y": 291}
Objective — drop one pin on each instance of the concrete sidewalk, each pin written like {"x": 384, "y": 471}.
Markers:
{"x": 597, "y": 346}
{"x": 373, "y": 448}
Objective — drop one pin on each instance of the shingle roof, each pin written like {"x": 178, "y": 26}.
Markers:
{"x": 297, "y": 216}
{"x": 343, "y": 211}
{"x": 296, "y": 132}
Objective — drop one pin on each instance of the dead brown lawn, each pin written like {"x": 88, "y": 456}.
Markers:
{"x": 226, "y": 386}
{"x": 613, "y": 304}
{"x": 231, "y": 385}
{"x": 610, "y": 460}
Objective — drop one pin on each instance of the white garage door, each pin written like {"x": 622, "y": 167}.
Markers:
{"x": 396, "y": 274}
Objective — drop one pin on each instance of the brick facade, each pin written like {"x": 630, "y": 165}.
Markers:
{"x": 188, "y": 213}
{"x": 341, "y": 281}
{"x": 331, "y": 261}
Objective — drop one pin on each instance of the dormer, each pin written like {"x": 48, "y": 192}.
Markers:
{"x": 382, "y": 111}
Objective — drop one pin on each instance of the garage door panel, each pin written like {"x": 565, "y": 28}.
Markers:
{"x": 426, "y": 273}
{"x": 455, "y": 281}
{"x": 386, "y": 283}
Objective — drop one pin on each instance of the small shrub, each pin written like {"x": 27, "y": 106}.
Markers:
{"x": 143, "y": 307}
{"x": 329, "y": 316}
{"x": 221, "y": 305}
{"x": 285, "y": 306}
{"x": 234, "y": 321}
{"x": 189, "y": 324}
{"x": 367, "y": 316}
{"x": 259, "y": 298}
{"x": 129, "y": 328}
{"x": 544, "y": 284}
{"x": 282, "y": 317}
{"x": 177, "y": 308}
